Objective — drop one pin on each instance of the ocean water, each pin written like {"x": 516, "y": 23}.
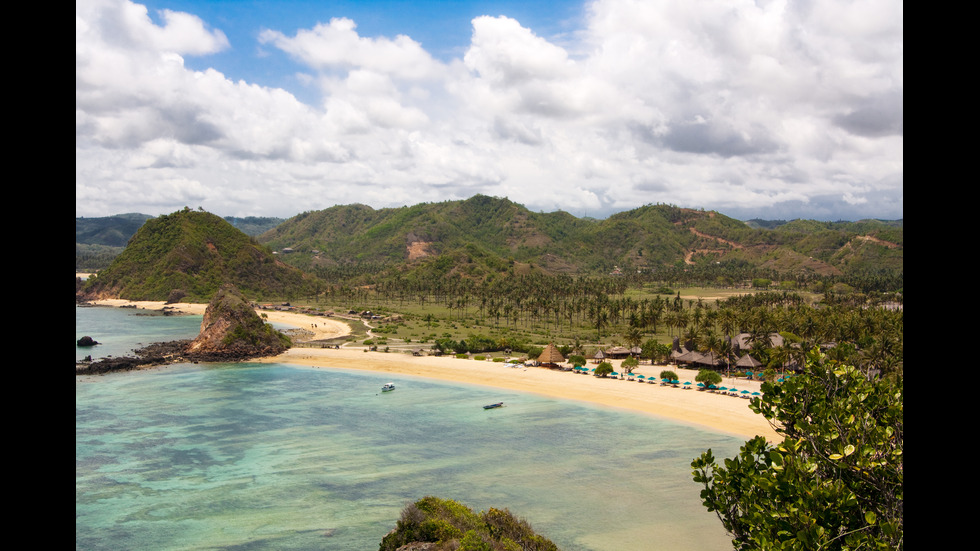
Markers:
{"x": 271, "y": 456}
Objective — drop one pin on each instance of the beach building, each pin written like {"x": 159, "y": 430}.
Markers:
{"x": 551, "y": 356}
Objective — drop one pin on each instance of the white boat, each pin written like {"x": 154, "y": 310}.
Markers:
{"x": 388, "y": 387}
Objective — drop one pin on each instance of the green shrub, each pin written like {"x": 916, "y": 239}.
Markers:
{"x": 452, "y": 525}
{"x": 603, "y": 369}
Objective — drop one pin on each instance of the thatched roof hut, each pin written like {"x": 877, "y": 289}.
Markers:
{"x": 676, "y": 354}
{"x": 711, "y": 360}
{"x": 618, "y": 352}
{"x": 688, "y": 357}
{"x": 551, "y": 356}
{"x": 747, "y": 361}
{"x": 742, "y": 340}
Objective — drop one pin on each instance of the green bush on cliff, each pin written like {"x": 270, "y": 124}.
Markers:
{"x": 452, "y": 525}
{"x": 257, "y": 336}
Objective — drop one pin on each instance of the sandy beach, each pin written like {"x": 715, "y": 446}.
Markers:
{"x": 709, "y": 410}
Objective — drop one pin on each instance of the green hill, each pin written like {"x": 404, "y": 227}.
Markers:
{"x": 192, "y": 254}
{"x": 483, "y": 236}
{"x": 486, "y": 237}
{"x": 99, "y": 240}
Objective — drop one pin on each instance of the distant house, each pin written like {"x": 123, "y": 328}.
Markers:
{"x": 617, "y": 352}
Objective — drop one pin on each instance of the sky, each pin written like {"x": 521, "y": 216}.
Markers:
{"x": 756, "y": 109}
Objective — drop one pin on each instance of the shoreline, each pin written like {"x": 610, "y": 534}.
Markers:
{"x": 705, "y": 409}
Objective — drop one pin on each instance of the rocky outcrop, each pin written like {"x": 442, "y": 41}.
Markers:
{"x": 86, "y": 341}
{"x": 231, "y": 330}
{"x": 157, "y": 354}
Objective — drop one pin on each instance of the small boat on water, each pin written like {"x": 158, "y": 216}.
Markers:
{"x": 388, "y": 387}
{"x": 494, "y": 406}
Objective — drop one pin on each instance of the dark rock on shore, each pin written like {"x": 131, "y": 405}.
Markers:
{"x": 153, "y": 355}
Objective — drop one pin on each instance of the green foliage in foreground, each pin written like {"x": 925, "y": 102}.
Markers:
{"x": 836, "y": 480}
{"x": 452, "y": 525}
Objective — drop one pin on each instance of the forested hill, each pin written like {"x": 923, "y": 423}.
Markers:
{"x": 488, "y": 237}
{"x": 485, "y": 235}
{"x": 190, "y": 254}
{"x": 110, "y": 231}
{"x": 98, "y": 240}
{"x": 115, "y": 231}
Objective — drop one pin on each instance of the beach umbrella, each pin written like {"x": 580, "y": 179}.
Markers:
{"x": 641, "y": 377}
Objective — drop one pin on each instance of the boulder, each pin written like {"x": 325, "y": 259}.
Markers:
{"x": 231, "y": 330}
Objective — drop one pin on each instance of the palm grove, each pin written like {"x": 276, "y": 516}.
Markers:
{"x": 577, "y": 310}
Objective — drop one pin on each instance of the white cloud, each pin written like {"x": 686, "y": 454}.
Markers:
{"x": 337, "y": 46}
{"x": 743, "y": 107}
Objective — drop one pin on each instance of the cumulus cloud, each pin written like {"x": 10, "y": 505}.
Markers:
{"x": 777, "y": 109}
{"x": 336, "y": 45}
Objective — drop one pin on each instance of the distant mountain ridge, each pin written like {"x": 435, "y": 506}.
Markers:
{"x": 489, "y": 234}
{"x": 110, "y": 231}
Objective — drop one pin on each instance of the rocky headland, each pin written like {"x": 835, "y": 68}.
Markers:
{"x": 231, "y": 331}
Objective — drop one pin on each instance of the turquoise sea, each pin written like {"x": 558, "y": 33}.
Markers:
{"x": 273, "y": 456}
